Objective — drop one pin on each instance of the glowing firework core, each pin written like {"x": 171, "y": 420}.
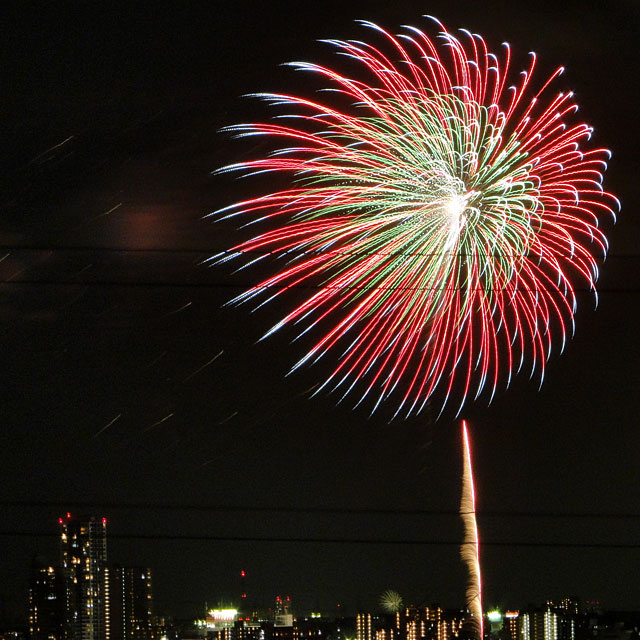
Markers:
{"x": 454, "y": 209}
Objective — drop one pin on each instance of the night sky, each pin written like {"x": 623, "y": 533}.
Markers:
{"x": 128, "y": 390}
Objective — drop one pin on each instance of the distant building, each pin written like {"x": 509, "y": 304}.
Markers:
{"x": 568, "y": 605}
{"x": 424, "y": 623}
{"x": 47, "y": 602}
{"x": 416, "y": 623}
{"x": 83, "y": 556}
{"x": 510, "y": 626}
{"x": 84, "y": 599}
{"x": 283, "y": 624}
{"x": 539, "y": 624}
{"x": 364, "y": 628}
{"x": 219, "y": 619}
{"x": 248, "y": 629}
{"x": 130, "y": 603}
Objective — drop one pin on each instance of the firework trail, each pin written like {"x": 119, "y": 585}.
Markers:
{"x": 470, "y": 548}
{"x": 441, "y": 211}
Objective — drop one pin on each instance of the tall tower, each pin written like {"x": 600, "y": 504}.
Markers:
{"x": 364, "y": 629}
{"x": 131, "y": 603}
{"x": 243, "y": 592}
{"x": 83, "y": 557}
{"x": 46, "y": 602}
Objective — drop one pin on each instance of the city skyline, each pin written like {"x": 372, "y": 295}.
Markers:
{"x": 82, "y": 541}
{"x": 130, "y": 390}
{"x": 238, "y": 592}
{"x": 58, "y": 612}
{"x": 83, "y": 597}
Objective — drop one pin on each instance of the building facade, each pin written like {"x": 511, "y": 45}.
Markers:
{"x": 539, "y": 624}
{"x": 83, "y": 559}
{"x": 130, "y": 603}
{"x": 364, "y": 627}
{"x": 47, "y": 602}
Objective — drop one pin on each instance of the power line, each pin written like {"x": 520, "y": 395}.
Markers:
{"x": 209, "y": 251}
{"x": 107, "y": 282}
{"x": 230, "y": 285}
{"x": 66, "y": 504}
{"x": 328, "y": 540}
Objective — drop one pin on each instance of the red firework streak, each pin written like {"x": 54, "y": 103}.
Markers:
{"x": 442, "y": 209}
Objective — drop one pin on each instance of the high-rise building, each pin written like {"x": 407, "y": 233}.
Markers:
{"x": 422, "y": 623}
{"x": 539, "y": 624}
{"x": 283, "y": 615}
{"x": 510, "y": 626}
{"x": 47, "y": 602}
{"x": 83, "y": 599}
{"x": 83, "y": 556}
{"x": 130, "y": 603}
{"x": 568, "y": 605}
{"x": 568, "y": 610}
{"x": 364, "y": 629}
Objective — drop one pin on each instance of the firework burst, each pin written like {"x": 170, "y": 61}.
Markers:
{"x": 391, "y": 601}
{"x": 440, "y": 218}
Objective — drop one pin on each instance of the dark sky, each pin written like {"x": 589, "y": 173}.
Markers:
{"x": 109, "y": 125}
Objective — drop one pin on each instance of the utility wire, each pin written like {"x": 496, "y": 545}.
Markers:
{"x": 226, "y": 284}
{"x": 328, "y": 540}
{"x": 209, "y": 251}
{"x": 231, "y": 285}
{"x": 66, "y": 505}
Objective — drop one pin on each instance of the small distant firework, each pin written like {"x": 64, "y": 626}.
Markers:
{"x": 470, "y": 549}
{"x": 391, "y": 601}
{"x": 442, "y": 213}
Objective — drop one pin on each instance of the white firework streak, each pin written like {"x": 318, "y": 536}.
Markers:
{"x": 470, "y": 548}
